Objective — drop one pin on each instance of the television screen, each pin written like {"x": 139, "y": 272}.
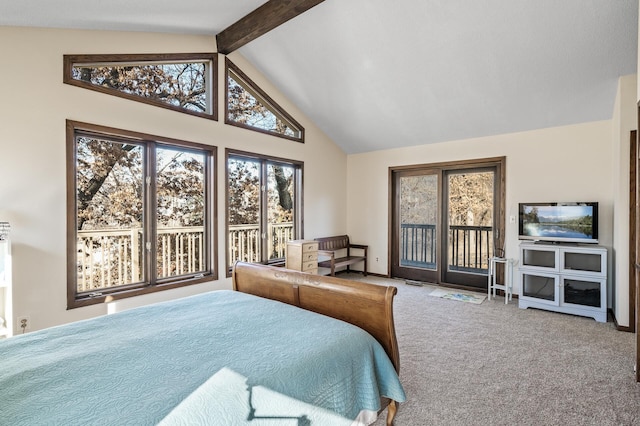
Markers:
{"x": 559, "y": 222}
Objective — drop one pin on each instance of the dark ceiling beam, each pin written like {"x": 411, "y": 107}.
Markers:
{"x": 262, "y": 20}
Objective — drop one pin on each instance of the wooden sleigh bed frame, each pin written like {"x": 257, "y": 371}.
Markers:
{"x": 368, "y": 306}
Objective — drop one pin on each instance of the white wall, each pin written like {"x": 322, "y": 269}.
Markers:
{"x": 32, "y": 156}
{"x": 623, "y": 122}
{"x": 556, "y": 164}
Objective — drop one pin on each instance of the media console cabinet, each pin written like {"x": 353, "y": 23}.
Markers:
{"x": 564, "y": 278}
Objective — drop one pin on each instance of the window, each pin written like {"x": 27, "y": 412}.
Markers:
{"x": 140, "y": 210}
{"x": 251, "y": 108}
{"x": 264, "y": 208}
{"x": 181, "y": 82}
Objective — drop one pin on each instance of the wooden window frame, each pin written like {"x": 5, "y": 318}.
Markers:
{"x": 69, "y": 61}
{"x": 261, "y": 96}
{"x": 151, "y": 283}
{"x": 441, "y": 169}
{"x": 298, "y": 202}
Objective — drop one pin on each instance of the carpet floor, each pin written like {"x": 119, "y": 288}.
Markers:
{"x": 496, "y": 364}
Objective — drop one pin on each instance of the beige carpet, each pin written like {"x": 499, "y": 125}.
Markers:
{"x": 496, "y": 364}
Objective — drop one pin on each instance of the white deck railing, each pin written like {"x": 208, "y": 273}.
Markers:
{"x": 108, "y": 258}
{"x": 115, "y": 257}
{"x": 245, "y": 241}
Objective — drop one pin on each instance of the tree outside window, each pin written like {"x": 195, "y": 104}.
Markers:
{"x": 264, "y": 207}
{"x": 140, "y": 213}
{"x": 181, "y": 82}
{"x": 249, "y": 107}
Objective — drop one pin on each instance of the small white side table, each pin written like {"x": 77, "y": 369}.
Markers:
{"x": 507, "y": 286}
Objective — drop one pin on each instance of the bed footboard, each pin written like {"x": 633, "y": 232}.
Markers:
{"x": 368, "y": 306}
{"x": 365, "y": 305}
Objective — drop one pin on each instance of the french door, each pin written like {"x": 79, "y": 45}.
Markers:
{"x": 416, "y": 233}
{"x": 447, "y": 220}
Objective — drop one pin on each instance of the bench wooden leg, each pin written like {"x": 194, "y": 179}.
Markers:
{"x": 392, "y": 408}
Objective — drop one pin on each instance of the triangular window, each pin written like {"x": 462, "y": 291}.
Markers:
{"x": 250, "y": 107}
{"x": 181, "y": 82}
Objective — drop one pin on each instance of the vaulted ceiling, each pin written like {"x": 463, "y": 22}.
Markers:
{"x": 377, "y": 74}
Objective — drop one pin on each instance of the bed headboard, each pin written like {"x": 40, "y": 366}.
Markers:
{"x": 368, "y": 306}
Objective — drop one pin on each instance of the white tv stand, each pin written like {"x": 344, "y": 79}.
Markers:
{"x": 564, "y": 278}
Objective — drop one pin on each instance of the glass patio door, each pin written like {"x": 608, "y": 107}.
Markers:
{"x": 446, "y": 221}
{"x": 415, "y": 248}
{"x": 469, "y": 222}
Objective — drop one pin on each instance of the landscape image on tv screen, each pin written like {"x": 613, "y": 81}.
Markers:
{"x": 563, "y": 222}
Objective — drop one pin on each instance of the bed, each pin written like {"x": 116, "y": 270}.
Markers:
{"x": 250, "y": 356}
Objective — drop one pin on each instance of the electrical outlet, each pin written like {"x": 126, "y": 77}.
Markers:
{"x": 376, "y": 259}
{"x": 23, "y": 324}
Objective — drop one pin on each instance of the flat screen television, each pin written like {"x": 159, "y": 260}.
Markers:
{"x": 558, "y": 222}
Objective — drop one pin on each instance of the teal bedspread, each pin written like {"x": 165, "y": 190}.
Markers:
{"x": 189, "y": 360}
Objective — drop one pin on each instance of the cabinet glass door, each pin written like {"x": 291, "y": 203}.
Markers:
{"x": 540, "y": 287}
{"x": 580, "y": 292}
{"x": 540, "y": 258}
{"x": 590, "y": 262}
